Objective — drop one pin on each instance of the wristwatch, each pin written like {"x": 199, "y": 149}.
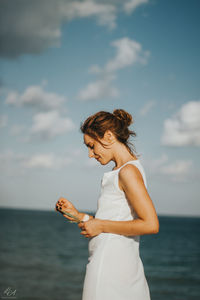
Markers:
{"x": 85, "y": 218}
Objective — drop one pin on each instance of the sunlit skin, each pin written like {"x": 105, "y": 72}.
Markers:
{"x": 130, "y": 182}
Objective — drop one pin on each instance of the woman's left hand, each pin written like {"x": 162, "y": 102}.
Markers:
{"x": 91, "y": 228}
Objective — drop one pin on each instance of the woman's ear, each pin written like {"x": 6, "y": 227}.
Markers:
{"x": 109, "y": 136}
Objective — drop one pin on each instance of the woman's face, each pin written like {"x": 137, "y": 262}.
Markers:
{"x": 96, "y": 150}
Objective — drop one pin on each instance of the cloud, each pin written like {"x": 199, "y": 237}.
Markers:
{"x": 176, "y": 171}
{"x": 147, "y": 107}
{"x": 10, "y": 163}
{"x": 8, "y": 156}
{"x": 105, "y": 12}
{"x": 15, "y": 164}
{"x": 35, "y": 97}
{"x": 30, "y": 27}
{"x": 3, "y": 121}
{"x": 17, "y": 129}
{"x": 177, "y": 168}
{"x": 50, "y": 124}
{"x": 47, "y": 161}
{"x": 131, "y": 5}
{"x": 99, "y": 89}
{"x": 154, "y": 164}
{"x": 183, "y": 128}
{"x": 128, "y": 52}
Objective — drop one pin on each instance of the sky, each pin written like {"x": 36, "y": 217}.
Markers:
{"x": 63, "y": 60}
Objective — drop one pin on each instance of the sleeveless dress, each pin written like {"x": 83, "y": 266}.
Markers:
{"x": 114, "y": 270}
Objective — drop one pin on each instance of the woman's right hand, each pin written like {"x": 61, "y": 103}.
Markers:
{"x": 64, "y": 205}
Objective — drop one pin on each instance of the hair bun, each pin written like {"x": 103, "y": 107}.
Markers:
{"x": 124, "y": 116}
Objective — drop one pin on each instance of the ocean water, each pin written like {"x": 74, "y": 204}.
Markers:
{"x": 43, "y": 256}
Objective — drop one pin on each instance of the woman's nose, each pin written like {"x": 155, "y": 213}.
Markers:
{"x": 90, "y": 154}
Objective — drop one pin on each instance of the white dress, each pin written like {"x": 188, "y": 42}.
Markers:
{"x": 114, "y": 270}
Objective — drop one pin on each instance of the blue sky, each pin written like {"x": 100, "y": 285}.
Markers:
{"x": 61, "y": 61}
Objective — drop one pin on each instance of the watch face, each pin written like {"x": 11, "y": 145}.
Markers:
{"x": 86, "y": 218}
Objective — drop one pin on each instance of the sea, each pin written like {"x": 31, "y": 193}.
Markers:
{"x": 43, "y": 256}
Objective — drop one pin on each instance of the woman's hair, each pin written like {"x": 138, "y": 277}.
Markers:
{"x": 118, "y": 122}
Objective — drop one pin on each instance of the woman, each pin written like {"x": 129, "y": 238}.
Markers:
{"x": 125, "y": 211}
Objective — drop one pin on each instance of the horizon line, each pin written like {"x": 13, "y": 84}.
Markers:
{"x": 92, "y": 211}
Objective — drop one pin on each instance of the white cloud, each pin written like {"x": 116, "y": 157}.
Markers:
{"x": 41, "y": 160}
{"x": 183, "y": 128}
{"x": 47, "y": 161}
{"x": 178, "y": 170}
{"x": 105, "y": 12}
{"x": 17, "y": 129}
{"x": 91, "y": 163}
{"x": 6, "y": 156}
{"x": 14, "y": 164}
{"x": 35, "y": 97}
{"x": 158, "y": 162}
{"x": 3, "y": 121}
{"x": 95, "y": 69}
{"x": 50, "y": 124}
{"x": 147, "y": 107}
{"x": 128, "y": 52}
{"x": 131, "y": 5}
{"x": 32, "y": 26}
{"x": 154, "y": 164}
{"x": 12, "y": 98}
{"x": 99, "y": 89}
{"x": 10, "y": 163}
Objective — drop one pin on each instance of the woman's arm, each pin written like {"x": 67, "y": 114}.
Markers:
{"x": 131, "y": 181}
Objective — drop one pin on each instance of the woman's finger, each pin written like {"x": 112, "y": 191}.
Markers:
{"x": 81, "y": 225}
{"x": 84, "y": 232}
{"x": 69, "y": 218}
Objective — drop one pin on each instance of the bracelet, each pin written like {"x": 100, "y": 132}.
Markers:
{"x": 85, "y": 218}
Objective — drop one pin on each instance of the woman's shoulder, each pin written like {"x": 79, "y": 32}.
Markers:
{"x": 132, "y": 171}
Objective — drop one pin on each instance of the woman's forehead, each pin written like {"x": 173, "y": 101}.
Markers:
{"x": 88, "y": 139}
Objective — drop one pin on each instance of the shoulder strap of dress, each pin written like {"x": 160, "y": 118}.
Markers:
{"x": 128, "y": 162}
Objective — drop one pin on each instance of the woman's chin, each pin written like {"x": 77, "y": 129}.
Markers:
{"x": 102, "y": 162}
{"x": 99, "y": 160}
